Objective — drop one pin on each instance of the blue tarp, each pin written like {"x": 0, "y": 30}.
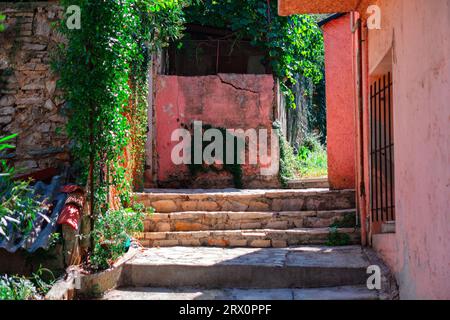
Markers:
{"x": 42, "y": 230}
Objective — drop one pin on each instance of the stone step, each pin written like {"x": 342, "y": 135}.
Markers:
{"x": 180, "y": 200}
{"x": 231, "y": 220}
{"x": 294, "y": 267}
{"x": 331, "y": 293}
{"x": 258, "y": 238}
{"x": 308, "y": 183}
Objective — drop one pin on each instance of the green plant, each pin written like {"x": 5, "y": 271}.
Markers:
{"x": 112, "y": 233}
{"x": 312, "y": 157}
{"x": 2, "y": 18}
{"x": 22, "y": 288}
{"x": 294, "y": 44}
{"x": 103, "y": 72}
{"x": 335, "y": 238}
{"x": 348, "y": 221}
{"x": 18, "y": 205}
{"x": 288, "y": 162}
{"x": 16, "y": 288}
{"x": 43, "y": 279}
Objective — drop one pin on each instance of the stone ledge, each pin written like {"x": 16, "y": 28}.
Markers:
{"x": 261, "y": 238}
{"x": 28, "y": 5}
{"x": 64, "y": 288}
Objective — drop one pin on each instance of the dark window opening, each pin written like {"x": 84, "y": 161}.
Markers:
{"x": 209, "y": 51}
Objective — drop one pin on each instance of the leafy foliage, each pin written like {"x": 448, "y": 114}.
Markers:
{"x": 309, "y": 162}
{"x": 22, "y": 288}
{"x": 287, "y": 159}
{"x": 16, "y": 288}
{"x": 294, "y": 44}
{"x": 112, "y": 234}
{"x": 2, "y": 18}
{"x": 18, "y": 205}
{"x": 312, "y": 158}
{"x": 335, "y": 238}
{"x": 103, "y": 73}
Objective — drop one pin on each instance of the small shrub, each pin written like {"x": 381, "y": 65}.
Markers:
{"x": 312, "y": 142}
{"x": 288, "y": 162}
{"x": 112, "y": 233}
{"x": 16, "y": 288}
{"x": 312, "y": 158}
{"x": 18, "y": 205}
{"x": 22, "y": 288}
{"x": 335, "y": 238}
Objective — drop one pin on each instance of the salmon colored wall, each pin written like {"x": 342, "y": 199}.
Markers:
{"x": 232, "y": 101}
{"x": 418, "y": 34}
{"x": 340, "y": 103}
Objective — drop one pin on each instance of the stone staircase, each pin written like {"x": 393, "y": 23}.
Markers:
{"x": 245, "y": 218}
{"x": 208, "y": 273}
{"x": 246, "y": 244}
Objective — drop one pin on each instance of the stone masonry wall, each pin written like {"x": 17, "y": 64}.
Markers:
{"x": 30, "y": 104}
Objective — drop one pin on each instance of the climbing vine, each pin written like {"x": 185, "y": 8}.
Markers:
{"x": 103, "y": 71}
{"x": 294, "y": 44}
{"x": 2, "y": 18}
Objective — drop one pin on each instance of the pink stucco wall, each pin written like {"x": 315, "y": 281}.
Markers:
{"x": 231, "y": 101}
{"x": 340, "y": 103}
{"x": 414, "y": 43}
{"x": 417, "y": 32}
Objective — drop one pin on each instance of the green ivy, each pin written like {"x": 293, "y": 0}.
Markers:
{"x": 103, "y": 70}
{"x": 294, "y": 44}
{"x": 2, "y": 18}
{"x": 288, "y": 162}
{"x": 336, "y": 238}
{"x": 113, "y": 231}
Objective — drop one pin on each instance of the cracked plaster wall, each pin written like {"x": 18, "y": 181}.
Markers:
{"x": 232, "y": 101}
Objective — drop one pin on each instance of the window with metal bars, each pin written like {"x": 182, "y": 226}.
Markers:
{"x": 382, "y": 197}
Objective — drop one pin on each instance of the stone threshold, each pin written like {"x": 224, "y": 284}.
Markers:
{"x": 330, "y": 293}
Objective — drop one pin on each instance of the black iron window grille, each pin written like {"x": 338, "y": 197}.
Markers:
{"x": 382, "y": 151}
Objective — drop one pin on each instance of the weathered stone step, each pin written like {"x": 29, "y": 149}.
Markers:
{"x": 330, "y": 293}
{"x": 259, "y": 238}
{"x": 299, "y": 267}
{"x": 231, "y": 220}
{"x": 308, "y": 183}
{"x": 176, "y": 200}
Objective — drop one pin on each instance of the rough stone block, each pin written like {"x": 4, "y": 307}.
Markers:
{"x": 190, "y": 242}
{"x": 282, "y": 225}
{"x": 155, "y": 235}
{"x": 218, "y": 242}
{"x": 189, "y": 226}
{"x": 258, "y": 206}
{"x": 164, "y": 206}
{"x": 260, "y": 244}
{"x": 253, "y": 225}
{"x": 165, "y": 243}
{"x": 163, "y": 226}
{"x": 189, "y": 205}
{"x": 207, "y": 206}
{"x": 238, "y": 243}
{"x": 279, "y": 244}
